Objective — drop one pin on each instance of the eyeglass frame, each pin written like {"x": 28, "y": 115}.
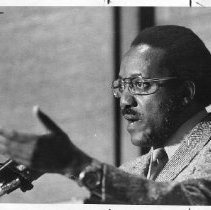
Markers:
{"x": 157, "y": 80}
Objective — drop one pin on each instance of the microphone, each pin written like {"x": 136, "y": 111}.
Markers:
{"x": 14, "y": 176}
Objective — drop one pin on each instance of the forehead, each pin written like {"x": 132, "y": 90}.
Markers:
{"x": 144, "y": 60}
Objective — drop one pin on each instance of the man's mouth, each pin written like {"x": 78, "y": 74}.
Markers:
{"x": 131, "y": 118}
{"x": 130, "y": 115}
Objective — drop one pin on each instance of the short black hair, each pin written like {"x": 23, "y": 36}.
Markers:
{"x": 186, "y": 56}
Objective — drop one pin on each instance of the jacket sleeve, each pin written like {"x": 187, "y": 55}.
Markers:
{"x": 124, "y": 188}
{"x": 192, "y": 188}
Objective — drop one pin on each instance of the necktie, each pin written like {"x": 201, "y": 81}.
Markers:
{"x": 158, "y": 160}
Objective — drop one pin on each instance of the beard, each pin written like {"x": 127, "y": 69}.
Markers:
{"x": 170, "y": 122}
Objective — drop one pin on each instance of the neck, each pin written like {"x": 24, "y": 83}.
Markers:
{"x": 188, "y": 113}
{"x": 186, "y": 127}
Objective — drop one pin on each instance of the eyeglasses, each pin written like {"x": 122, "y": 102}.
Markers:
{"x": 138, "y": 85}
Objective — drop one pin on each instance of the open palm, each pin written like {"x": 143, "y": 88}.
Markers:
{"x": 50, "y": 152}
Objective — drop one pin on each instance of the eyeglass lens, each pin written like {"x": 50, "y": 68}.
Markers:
{"x": 136, "y": 86}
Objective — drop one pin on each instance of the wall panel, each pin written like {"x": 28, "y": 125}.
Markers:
{"x": 61, "y": 59}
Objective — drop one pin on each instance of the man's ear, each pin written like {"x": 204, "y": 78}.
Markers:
{"x": 190, "y": 90}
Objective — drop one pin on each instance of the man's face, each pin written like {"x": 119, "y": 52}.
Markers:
{"x": 151, "y": 118}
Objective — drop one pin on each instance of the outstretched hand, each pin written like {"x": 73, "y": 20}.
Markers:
{"x": 51, "y": 152}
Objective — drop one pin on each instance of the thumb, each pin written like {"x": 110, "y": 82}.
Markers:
{"x": 46, "y": 121}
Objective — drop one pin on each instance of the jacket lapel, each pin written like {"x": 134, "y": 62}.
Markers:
{"x": 188, "y": 149}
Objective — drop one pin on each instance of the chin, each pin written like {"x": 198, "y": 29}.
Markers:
{"x": 141, "y": 141}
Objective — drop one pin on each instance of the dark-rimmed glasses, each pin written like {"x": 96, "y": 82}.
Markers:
{"x": 138, "y": 85}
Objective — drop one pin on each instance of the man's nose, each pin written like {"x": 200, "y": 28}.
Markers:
{"x": 127, "y": 99}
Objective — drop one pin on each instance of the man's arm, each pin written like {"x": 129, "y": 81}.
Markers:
{"x": 124, "y": 188}
{"x": 55, "y": 153}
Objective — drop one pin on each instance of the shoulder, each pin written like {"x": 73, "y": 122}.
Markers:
{"x": 202, "y": 161}
{"x": 200, "y": 166}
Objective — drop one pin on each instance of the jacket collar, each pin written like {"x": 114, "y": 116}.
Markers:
{"x": 189, "y": 148}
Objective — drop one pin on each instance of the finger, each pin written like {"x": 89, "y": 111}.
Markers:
{"x": 46, "y": 121}
{"x": 8, "y": 134}
{"x": 3, "y": 150}
{"x": 35, "y": 165}
{"x": 21, "y": 160}
{"x": 22, "y": 153}
{"x": 3, "y": 140}
{"x": 13, "y": 135}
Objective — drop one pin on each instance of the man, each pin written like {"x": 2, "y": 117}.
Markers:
{"x": 163, "y": 87}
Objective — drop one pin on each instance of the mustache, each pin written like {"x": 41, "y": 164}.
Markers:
{"x": 128, "y": 111}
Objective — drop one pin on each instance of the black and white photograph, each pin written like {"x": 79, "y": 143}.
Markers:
{"x": 105, "y": 104}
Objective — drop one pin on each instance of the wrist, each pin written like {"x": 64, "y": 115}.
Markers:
{"x": 87, "y": 172}
{"x": 78, "y": 160}
{"x": 93, "y": 178}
